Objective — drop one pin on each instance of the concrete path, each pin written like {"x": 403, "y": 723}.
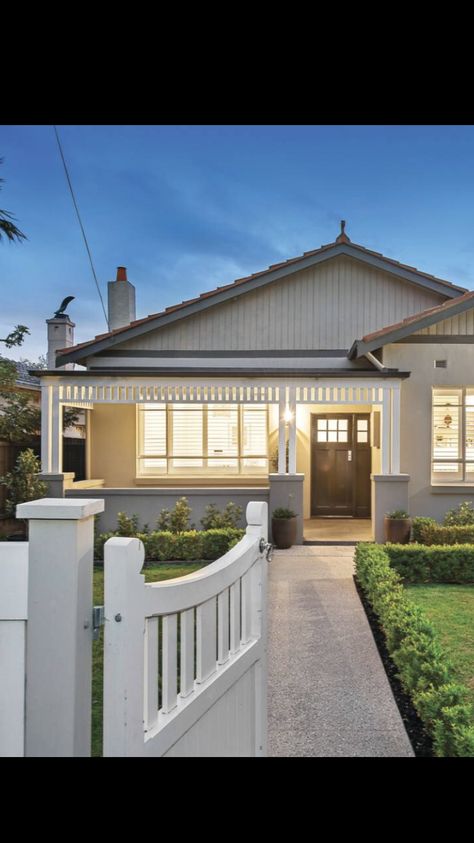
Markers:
{"x": 328, "y": 694}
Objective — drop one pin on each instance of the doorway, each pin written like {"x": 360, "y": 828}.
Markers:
{"x": 340, "y": 465}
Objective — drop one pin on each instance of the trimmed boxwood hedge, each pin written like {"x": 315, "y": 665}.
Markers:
{"x": 424, "y": 670}
{"x": 427, "y": 531}
{"x": 421, "y": 563}
{"x": 188, "y": 546}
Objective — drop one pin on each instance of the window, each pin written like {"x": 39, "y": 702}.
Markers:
{"x": 453, "y": 436}
{"x": 200, "y": 439}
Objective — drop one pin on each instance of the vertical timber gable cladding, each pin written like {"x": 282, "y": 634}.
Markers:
{"x": 323, "y": 307}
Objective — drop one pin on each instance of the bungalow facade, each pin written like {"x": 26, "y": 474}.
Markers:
{"x": 339, "y": 384}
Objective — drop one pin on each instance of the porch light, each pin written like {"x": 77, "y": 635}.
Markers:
{"x": 288, "y": 416}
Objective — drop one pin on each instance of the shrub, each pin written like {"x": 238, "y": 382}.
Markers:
{"x": 175, "y": 520}
{"x": 456, "y": 534}
{"x": 22, "y": 482}
{"x": 215, "y": 520}
{"x": 425, "y": 672}
{"x": 281, "y": 512}
{"x": 127, "y": 527}
{"x": 159, "y": 546}
{"x": 434, "y": 563}
{"x": 397, "y": 513}
{"x": 418, "y": 524}
{"x": 217, "y": 542}
{"x": 460, "y": 515}
{"x": 99, "y": 542}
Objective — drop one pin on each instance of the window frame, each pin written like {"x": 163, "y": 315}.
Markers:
{"x": 204, "y": 470}
{"x": 461, "y": 461}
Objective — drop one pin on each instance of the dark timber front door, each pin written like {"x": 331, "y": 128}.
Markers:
{"x": 340, "y": 464}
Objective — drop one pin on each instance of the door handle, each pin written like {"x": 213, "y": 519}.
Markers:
{"x": 349, "y": 456}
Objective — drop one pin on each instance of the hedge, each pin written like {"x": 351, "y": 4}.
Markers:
{"x": 428, "y": 531}
{"x": 424, "y": 671}
{"x": 188, "y": 546}
{"x": 421, "y": 563}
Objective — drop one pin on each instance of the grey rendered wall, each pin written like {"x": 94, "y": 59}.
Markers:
{"x": 148, "y": 503}
{"x": 415, "y": 443}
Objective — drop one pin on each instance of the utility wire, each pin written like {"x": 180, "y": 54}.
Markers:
{"x": 82, "y": 227}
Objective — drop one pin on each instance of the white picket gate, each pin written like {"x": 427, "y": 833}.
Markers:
{"x": 210, "y": 625}
{"x": 185, "y": 659}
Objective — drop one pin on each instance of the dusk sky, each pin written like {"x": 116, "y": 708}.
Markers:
{"x": 189, "y": 208}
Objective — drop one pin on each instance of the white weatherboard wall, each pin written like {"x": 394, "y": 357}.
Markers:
{"x": 324, "y": 307}
{"x": 13, "y": 615}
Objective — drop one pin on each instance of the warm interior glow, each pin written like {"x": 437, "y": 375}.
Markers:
{"x": 288, "y": 416}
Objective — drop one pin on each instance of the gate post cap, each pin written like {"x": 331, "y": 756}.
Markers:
{"x": 256, "y": 513}
{"x": 62, "y": 509}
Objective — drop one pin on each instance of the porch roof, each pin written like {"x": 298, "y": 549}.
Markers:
{"x": 224, "y": 372}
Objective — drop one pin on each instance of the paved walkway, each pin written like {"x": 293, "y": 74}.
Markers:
{"x": 328, "y": 694}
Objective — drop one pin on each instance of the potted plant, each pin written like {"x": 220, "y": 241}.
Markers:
{"x": 283, "y": 527}
{"x": 397, "y": 526}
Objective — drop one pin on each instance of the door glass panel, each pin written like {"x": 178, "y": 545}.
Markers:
{"x": 332, "y": 424}
{"x": 342, "y": 436}
{"x": 342, "y": 424}
{"x": 332, "y": 436}
{"x": 322, "y": 424}
{"x": 322, "y": 436}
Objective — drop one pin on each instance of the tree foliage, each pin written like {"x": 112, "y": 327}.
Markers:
{"x": 8, "y": 228}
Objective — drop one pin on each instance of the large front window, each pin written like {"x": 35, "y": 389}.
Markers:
{"x": 453, "y": 436}
{"x": 207, "y": 439}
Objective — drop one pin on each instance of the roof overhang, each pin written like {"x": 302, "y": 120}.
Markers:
{"x": 402, "y": 330}
{"x": 229, "y": 374}
{"x": 255, "y": 282}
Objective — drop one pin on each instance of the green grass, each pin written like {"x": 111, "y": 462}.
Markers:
{"x": 153, "y": 573}
{"x": 451, "y": 610}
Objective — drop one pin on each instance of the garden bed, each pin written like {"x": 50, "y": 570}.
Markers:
{"x": 420, "y": 740}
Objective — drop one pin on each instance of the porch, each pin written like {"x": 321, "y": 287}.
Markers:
{"x": 304, "y": 417}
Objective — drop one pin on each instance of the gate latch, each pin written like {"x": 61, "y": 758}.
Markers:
{"x": 267, "y": 548}
{"x": 98, "y": 620}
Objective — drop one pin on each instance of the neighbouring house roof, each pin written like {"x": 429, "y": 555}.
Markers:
{"x": 341, "y": 246}
{"x": 25, "y": 378}
{"x": 408, "y": 326}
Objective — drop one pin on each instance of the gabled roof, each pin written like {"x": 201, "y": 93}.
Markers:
{"x": 341, "y": 246}
{"x": 408, "y": 326}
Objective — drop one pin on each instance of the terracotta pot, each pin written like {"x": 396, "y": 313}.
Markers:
{"x": 283, "y": 532}
{"x": 397, "y": 530}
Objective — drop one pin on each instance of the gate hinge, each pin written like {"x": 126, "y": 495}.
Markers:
{"x": 267, "y": 548}
{"x": 98, "y": 620}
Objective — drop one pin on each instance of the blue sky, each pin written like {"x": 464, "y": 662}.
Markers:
{"x": 188, "y": 208}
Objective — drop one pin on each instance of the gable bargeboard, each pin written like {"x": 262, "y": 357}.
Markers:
{"x": 323, "y": 307}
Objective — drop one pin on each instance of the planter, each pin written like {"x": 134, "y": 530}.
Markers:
{"x": 284, "y": 532}
{"x": 397, "y": 530}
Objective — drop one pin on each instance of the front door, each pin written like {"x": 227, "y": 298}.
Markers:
{"x": 340, "y": 464}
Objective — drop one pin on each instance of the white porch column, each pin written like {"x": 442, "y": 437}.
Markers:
{"x": 46, "y": 420}
{"x": 395, "y": 467}
{"x": 282, "y": 432}
{"x": 292, "y": 431}
{"x": 386, "y": 437}
{"x": 56, "y": 433}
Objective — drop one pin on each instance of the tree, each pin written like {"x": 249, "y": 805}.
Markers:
{"x": 22, "y": 482}
{"x": 7, "y": 227}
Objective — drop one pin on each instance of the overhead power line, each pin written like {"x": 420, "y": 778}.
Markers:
{"x": 82, "y": 227}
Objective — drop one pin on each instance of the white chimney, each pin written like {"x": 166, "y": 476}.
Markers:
{"x": 60, "y": 335}
{"x": 121, "y": 300}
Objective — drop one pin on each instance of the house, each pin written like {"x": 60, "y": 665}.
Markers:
{"x": 339, "y": 383}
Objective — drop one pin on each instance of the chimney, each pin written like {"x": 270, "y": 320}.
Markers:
{"x": 121, "y": 300}
{"x": 60, "y": 335}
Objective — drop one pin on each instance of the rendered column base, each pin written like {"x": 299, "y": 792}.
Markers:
{"x": 286, "y": 490}
{"x": 389, "y": 492}
{"x": 57, "y": 483}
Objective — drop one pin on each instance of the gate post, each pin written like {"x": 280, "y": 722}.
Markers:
{"x": 59, "y": 627}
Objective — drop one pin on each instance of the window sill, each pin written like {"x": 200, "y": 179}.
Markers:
{"x": 452, "y": 489}
{"x": 207, "y": 481}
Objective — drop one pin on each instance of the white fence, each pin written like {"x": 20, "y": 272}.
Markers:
{"x": 185, "y": 659}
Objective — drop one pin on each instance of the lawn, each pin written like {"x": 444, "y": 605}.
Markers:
{"x": 451, "y": 610}
{"x": 152, "y": 574}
